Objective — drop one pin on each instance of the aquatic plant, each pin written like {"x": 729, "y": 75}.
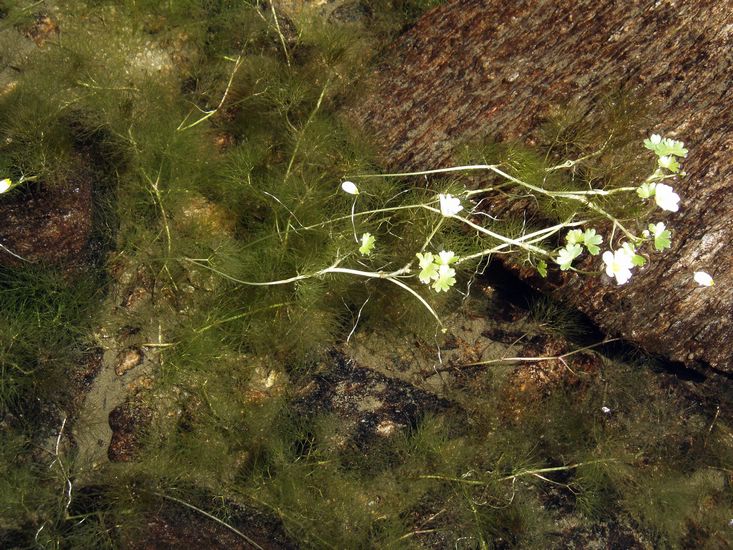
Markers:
{"x": 436, "y": 267}
{"x": 45, "y": 319}
{"x": 228, "y": 164}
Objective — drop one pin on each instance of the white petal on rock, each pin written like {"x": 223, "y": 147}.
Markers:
{"x": 703, "y": 279}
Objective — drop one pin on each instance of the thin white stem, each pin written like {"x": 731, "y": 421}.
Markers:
{"x": 359, "y": 273}
{"x": 430, "y": 237}
{"x": 529, "y": 238}
{"x": 356, "y": 323}
{"x": 467, "y": 168}
{"x": 571, "y": 163}
{"x": 502, "y": 238}
{"x": 280, "y": 34}
{"x": 281, "y": 203}
{"x": 301, "y": 133}
{"x": 353, "y": 222}
{"x": 207, "y": 114}
{"x": 251, "y": 283}
{"x": 6, "y": 249}
{"x": 416, "y": 295}
{"x": 211, "y": 517}
{"x": 391, "y": 277}
{"x": 572, "y": 195}
{"x": 540, "y": 358}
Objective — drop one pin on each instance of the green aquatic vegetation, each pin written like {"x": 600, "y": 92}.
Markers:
{"x": 45, "y": 319}
{"x": 227, "y": 166}
{"x": 36, "y": 141}
{"x": 553, "y": 317}
{"x": 390, "y": 17}
{"x": 40, "y": 504}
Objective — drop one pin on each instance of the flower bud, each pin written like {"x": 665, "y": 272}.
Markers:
{"x": 350, "y": 188}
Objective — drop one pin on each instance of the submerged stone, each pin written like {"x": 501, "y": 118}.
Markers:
{"x": 473, "y": 69}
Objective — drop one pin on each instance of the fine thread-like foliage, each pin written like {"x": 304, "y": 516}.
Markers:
{"x": 218, "y": 140}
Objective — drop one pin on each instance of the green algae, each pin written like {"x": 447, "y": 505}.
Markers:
{"x": 227, "y": 364}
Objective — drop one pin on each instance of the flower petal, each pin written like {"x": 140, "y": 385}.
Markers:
{"x": 703, "y": 279}
{"x": 449, "y": 205}
{"x": 666, "y": 198}
{"x": 350, "y": 188}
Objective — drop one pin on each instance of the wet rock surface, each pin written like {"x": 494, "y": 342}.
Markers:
{"x": 128, "y": 422}
{"x": 174, "y": 527}
{"x": 111, "y": 418}
{"x": 128, "y": 359}
{"x": 369, "y": 404}
{"x": 46, "y": 224}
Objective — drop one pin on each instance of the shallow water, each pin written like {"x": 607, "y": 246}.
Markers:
{"x": 327, "y": 412}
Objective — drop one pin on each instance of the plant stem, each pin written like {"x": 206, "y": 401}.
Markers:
{"x": 211, "y": 517}
{"x": 206, "y": 114}
{"x": 536, "y": 359}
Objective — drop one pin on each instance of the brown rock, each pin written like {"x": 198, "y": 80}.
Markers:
{"x": 369, "y": 405}
{"x": 477, "y": 68}
{"x": 46, "y": 223}
{"x": 127, "y": 422}
{"x": 43, "y": 29}
{"x": 210, "y": 216}
{"x": 128, "y": 359}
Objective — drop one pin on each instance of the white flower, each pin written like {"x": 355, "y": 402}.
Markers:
{"x": 447, "y": 257}
{"x": 655, "y": 139}
{"x": 605, "y": 410}
{"x": 703, "y": 279}
{"x": 350, "y": 188}
{"x": 618, "y": 264}
{"x": 449, "y": 205}
{"x": 657, "y": 229}
{"x": 5, "y": 184}
{"x": 666, "y": 198}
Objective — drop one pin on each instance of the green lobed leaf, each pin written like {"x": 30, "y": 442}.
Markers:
{"x": 574, "y": 236}
{"x": 671, "y": 147}
{"x": 663, "y": 240}
{"x": 638, "y": 261}
{"x": 566, "y": 255}
{"x": 445, "y": 280}
{"x": 428, "y": 273}
{"x": 591, "y": 240}
{"x": 669, "y": 162}
{"x": 542, "y": 268}
{"x": 646, "y": 190}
